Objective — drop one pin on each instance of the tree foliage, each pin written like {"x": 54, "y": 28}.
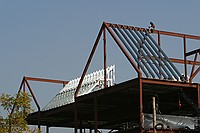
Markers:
{"x": 14, "y": 121}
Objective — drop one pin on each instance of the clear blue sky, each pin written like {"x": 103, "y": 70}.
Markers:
{"x": 52, "y": 39}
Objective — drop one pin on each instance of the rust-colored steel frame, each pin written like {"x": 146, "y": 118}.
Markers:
{"x": 25, "y": 83}
{"x": 193, "y": 73}
{"x": 106, "y": 26}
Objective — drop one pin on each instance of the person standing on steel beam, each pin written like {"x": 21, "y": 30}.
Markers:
{"x": 152, "y": 27}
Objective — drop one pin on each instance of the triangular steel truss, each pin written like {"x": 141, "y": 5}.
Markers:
{"x": 143, "y": 52}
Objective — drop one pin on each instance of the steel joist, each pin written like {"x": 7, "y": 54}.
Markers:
{"x": 152, "y": 60}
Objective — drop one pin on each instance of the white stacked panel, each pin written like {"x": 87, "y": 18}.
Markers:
{"x": 92, "y": 82}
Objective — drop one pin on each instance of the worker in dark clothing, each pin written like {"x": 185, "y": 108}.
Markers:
{"x": 151, "y": 27}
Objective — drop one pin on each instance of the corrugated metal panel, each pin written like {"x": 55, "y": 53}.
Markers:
{"x": 92, "y": 82}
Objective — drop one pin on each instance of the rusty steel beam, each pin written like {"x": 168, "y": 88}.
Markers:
{"x": 193, "y": 52}
{"x": 190, "y": 62}
{"x": 177, "y": 34}
{"x": 185, "y": 64}
{"x": 104, "y": 46}
{"x": 181, "y": 61}
{"x": 170, "y": 83}
{"x": 89, "y": 60}
{"x": 141, "y": 103}
{"x": 159, "y": 44}
{"x": 167, "y": 33}
{"x": 198, "y": 88}
{"x": 192, "y": 71}
{"x": 75, "y": 118}
{"x": 95, "y": 114}
{"x": 46, "y": 80}
{"x": 195, "y": 73}
{"x": 34, "y": 98}
{"x": 20, "y": 88}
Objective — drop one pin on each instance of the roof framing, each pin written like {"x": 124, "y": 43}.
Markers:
{"x": 139, "y": 86}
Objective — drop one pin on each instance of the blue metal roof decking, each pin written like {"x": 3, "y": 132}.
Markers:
{"x": 142, "y": 47}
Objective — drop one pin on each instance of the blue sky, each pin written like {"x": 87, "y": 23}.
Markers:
{"x": 52, "y": 39}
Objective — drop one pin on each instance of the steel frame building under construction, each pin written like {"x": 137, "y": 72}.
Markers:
{"x": 123, "y": 107}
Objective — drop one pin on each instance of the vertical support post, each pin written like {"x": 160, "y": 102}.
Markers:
{"x": 47, "y": 129}
{"x": 81, "y": 128}
{"x": 39, "y": 119}
{"x": 95, "y": 114}
{"x": 159, "y": 44}
{"x": 75, "y": 118}
{"x": 141, "y": 102}
{"x": 154, "y": 114}
{"x": 158, "y": 38}
{"x": 198, "y": 89}
{"x": 104, "y": 41}
{"x": 185, "y": 63}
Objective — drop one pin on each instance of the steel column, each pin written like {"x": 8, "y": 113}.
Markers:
{"x": 141, "y": 102}
{"x": 104, "y": 41}
{"x": 95, "y": 114}
{"x": 47, "y": 129}
{"x": 39, "y": 115}
{"x": 185, "y": 64}
{"x": 75, "y": 118}
{"x": 158, "y": 38}
{"x": 198, "y": 88}
{"x": 81, "y": 128}
{"x": 154, "y": 114}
